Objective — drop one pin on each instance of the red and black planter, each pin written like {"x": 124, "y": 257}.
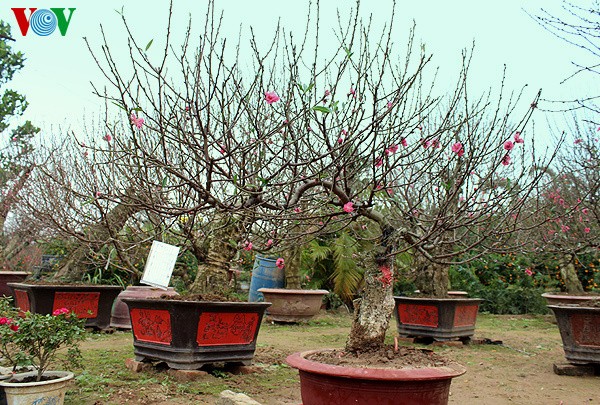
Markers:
{"x": 92, "y": 302}
{"x": 339, "y": 385}
{"x": 10, "y": 277}
{"x": 190, "y": 334}
{"x": 436, "y": 318}
{"x": 580, "y": 332}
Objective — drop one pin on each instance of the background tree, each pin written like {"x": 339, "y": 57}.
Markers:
{"x": 16, "y": 149}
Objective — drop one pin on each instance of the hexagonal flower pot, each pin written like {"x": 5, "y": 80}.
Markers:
{"x": 340, "y": 385}
{"x": 291, "y": 306}
{"x": 436, "y": 318}
{"x": 93, "y": 302}
{"x": 580, "y": 332}
{"x": 189, "y": 334}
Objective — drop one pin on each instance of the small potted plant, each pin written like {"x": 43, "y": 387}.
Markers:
{"x": 34, "y": 340}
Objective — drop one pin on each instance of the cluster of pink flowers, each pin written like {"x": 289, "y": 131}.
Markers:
{"x": 509, "y": 145}
{"x": 280, "y": 263}
{"x": 349, "y": 207}
{"x": 135, "y": 121}
{"x": 8, "y": 321}
{"x": 61, "y": 311}
{"x": 458, "y": 149}
{"x": 271, "y": 97}
{"x": 248, "y": 245}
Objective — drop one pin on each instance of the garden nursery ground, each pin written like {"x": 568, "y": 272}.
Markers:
{"x": 519, "y": 371}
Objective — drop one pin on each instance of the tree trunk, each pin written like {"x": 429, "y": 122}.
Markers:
{"x": 431, "y": 278}
{"x": 97, "y": 235}
{"x": 213, "y": 272}
{"x": 292, "y": 259}
{"x": 569, "y": 274}
{"x": 372, "y": 312}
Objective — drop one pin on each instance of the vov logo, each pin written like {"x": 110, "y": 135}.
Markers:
{"x": 43, "y": 22}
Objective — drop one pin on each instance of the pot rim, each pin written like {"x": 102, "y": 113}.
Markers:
{"x": 186, "y": 302}
{"x": 453, "y": 299}
{"x": 20, "y": 273}
{"x": 573, "y": 307}
{"x": 65, "y": 286}
{"x": 67, "y": 375}
{"x": 557, "y": 295}
{"x": 291, "y": 291}
{"x": 298, "y": 360}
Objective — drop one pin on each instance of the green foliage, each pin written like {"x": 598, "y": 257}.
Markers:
{"x": 331, "y": 263}
{"x": 35, "y": 339}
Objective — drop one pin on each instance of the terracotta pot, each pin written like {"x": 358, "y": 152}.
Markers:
{"x": 558, "y": 298}
{"x": 436, "y": 318}
{"x": 580, "y": 332}
{"x": 10, "y": 277}
{"x": 337, "y": 385}
{"x": 120, "y": 312}
{"x": 189, "y": 334}
{"x": 93, "y": 302}
{"x": 292, "y": 305}
{"x": 43, "y": 392}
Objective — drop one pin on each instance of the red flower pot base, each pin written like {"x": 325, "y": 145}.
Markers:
{"x": 580, "y": 332}
{"x": 190, "y": 334}
{"x": 92, "y": 302}
{"x": 436, "y": 318}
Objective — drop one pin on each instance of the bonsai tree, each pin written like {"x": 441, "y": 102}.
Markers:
{"x": 300, "y": 144}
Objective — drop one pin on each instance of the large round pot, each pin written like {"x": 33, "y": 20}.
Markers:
{"x": 337, "y": 385}
{"x": 43, "y": 392}
{"x": 265, "y": 274}
{"x": 292, "y": 305}
{"x": 558, "y": 298}
{"x": 120, "y": 311}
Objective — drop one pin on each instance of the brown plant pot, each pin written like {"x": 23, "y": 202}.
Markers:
{"x": 559, "y": 299}
{"x": 120, "y": 312}
{"x": 292, "y": 306}
{"x": 580, "y": 332}
{"x": 189, "y": 334}
{"x": 93, "y": 302}
{"x": 337, "y": 385}
{"x": 10, "y": 277}
{"x": 436, "y": 318}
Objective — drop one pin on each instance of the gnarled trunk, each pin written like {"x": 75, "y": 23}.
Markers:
{"x": 569, "y": 274}
{"x": 213, "y": 271}
{"x": 431, "y": 278}
{"x": 372, "y": 312}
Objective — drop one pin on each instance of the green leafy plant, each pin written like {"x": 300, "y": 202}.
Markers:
{"x": 35, "y": 339}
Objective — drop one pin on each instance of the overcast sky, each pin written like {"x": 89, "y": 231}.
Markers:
{"x": 56, "y": 77}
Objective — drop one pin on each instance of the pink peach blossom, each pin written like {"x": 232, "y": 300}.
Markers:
{"x": 349, "y": 207}
{"x": 271, "y": 97}
{"x": 280, "y": 263}
{"x": 508, "y": 145}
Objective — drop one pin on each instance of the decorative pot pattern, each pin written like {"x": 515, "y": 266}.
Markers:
{"x": 292, "y": 305}
{"x": 189, "y": 334}
{"x": 43, "y": 392}
{"x": 580, "y": 332}
{"x": 120, "y": 312}
{"x": 437, "y": 318}
{"x": 93, "y": 302}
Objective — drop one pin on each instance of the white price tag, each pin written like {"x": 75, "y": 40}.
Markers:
{"x": 160, "y": 264}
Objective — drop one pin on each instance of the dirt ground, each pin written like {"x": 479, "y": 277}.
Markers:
{"x": 519, "y": 371}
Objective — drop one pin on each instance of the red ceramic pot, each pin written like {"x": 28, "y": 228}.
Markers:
{"x": 337, "y": 385}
